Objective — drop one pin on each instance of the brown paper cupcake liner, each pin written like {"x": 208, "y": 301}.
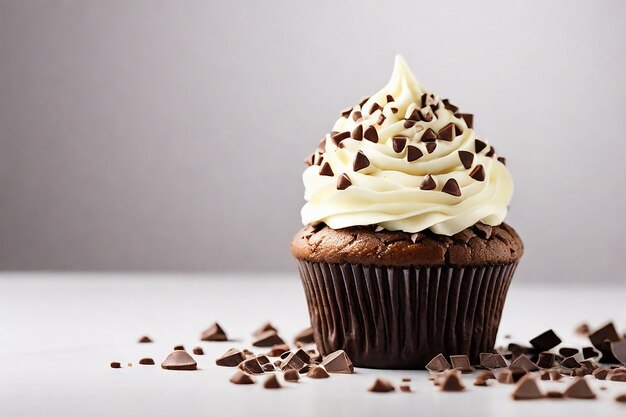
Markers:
{"x": 400, "y": 318}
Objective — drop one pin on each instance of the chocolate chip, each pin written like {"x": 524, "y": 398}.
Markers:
{"x": 527, "y": 389}
{"x": 478, "y": 173}
{"x": 621, "y": 398}
{"x": 430, "y": 147}
{"x": 427, "y": 114}
{"x": 144, "y": 339}
{"x": 371, "y": 134}
{"x": 271, "y": 382}
{"x": 262, "y": 359}
{"x": 567, "y": 351}
{"x": 381, "y": 385}
{"x": 338, "y": 362}
{"x": 146, "y": 361}
{"x": 467, "y": 158}
{"x": 398, "y": 143}
{"x": 438, "y": 363}
{"x": 619, "y": 350}
{"x": 268, "y": 367}
{"x": 339, "y": 136}
{"x": 409, "y": 124}
{"x": 492, "y": 361}
{"x": 232, "y": 357}
{"x": 375, "y": 107}
{"x": 381, "y": 119}
{"x": 179, "y": 360}
{"x": 413, "y": 153}
{"x": 356, "y": 115}
{"x": 394, "y": 110}
{"x": 429, "y": 135}
{"x": 524, "y": 363}
{"x": 291, "y": 375}
{"x": 502, "y": 160}
{"x": 483, "y": 230}
{"x": 346, "y": 112}
{"x": 428, "y": 184}
{"x": 251, "y": 366}
{"x": 265, "y": 327}
{"x": 390, "y": 98}
{"x": 449, "y": 106}
{"x": 570, "y": 363}
{"x": 241, "y": 378}
{"x": 491, "y": 152}
{"x": 267, "y": 339}
{"x": 179, "y": 347}
{"x": 579, "y": 389}
{"x": 589, "y": 352}
{"x": 448, "y": 132}
{"x": 452, "y": 187}
{"x": 468, "y": 118}
{"x": 360, "y": 161}
{"x": 357, "y": 133}
{"x": 296, "y": 360}
{"x": 214, "y": 333}
{"x": 462, "y": 363}
{"x": 545, "y": 341}
{"x": 546, "y": 360}
{"x": 115, "y": 365}
{"x": 198, "y": 351}
{"x": 363, "y": 100}
{"x": 582, "y": 328}
{"x": 415, "y": 115}
{"x": 326, "y": 170}
{"x": 600, "y": 373}
{"x": 511, "y": 375}
{"x": 317, "y": 372}
{"x": 305, "y": 336}
{"x": 404, "y": 387}
{"x": 278, "y": 350}
{"x": 451, "y": 381}
{"x": 479, "y": 145}
{"x": 343, "y": 182}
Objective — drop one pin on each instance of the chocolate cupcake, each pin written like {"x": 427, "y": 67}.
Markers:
{"x": 405, "y": 254}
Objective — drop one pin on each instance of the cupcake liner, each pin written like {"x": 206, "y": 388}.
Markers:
{"x": 400, "y": 318}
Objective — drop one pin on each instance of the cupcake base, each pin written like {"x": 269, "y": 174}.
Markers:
{"x": 401, "y": 317}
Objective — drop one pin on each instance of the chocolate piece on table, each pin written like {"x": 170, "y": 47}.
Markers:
{"x": 381, "y": 385}
{"x": 278, "y": 350}
{"x": 518, "y": 350}
{"x": 413, "y": 153}
{"x": 214, "y": 333}
{"x": 291, "y": 375}
{"x": 619, "y": 350}
{"x": 146, "y": 361}
{"x": 316, "y": 357}
{"x": 144, "y": 339}
{"x": 371, "y": 134}
{"x": 251, "y": 366}
{"x": 271, "y": 382}
{"x": 621, "y": 398}
{"x": 484, "y": 376}
{"x": 544, "y": 375}
{"x": 523, "y": 362}
{"x": 452, "y": 187}
{"x": 567, "y": 352}
{"x": 317, "y": 372}
{"x": 327, "y": 171}
{"x": 478, "y": 173}
{"x": 405, "y": 379}
{"x": 461, "y": 363}
{"x": 545, "y": 341}
{"x": 267, "y": 339}
{"x": 179, "y": 347}
{"x": 343, "y": 182}
{"x": 262, "y": 359}
{"x": 479, "y": 145}
{"x": 438, "y": 364}
{"x": 570, "y": 363}
{"x": 589, "y": 352}
{"x": 451, "y": 381}
{"x": 510, "y": 375}
{"x": 268, "y": 367}
{"x": 480, "y": 382}
{"x": 398, "y": 143}
{"x": 447, "y": 133}
{"x": 305, "y": 369}
{"x": 179, "y": 360}
{"x": 579, "y": 389}
{"x": 360, "y": 161}
{"x": 582, "y": 328}
{"x": 357, "y": 133}
{"x": 338, "y": 362}
{"x": 405, "y": 387}
{"x": 527, "y": 389}
{"x": 467, "y": 158}
{"x": 469, "y": 119}
{"x": 429, "y": 135}
{"x": 589, "y": 366}
{"x": 197, "y": 350}
{"x": 232, "y": 357}
{"x": 494, "y": 360}
{"x": 296, "y": 360}
{"x": 305, "y": 336}
{"x": 115, "y": 365}
{"x": 241, "y": 378}
{"x": 554, "y": 394}
{"x": 546, "y": 360}
{"x": 616, "y": 376}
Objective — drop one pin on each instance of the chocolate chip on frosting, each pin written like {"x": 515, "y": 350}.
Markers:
{"x": 346, "y": 112}
{"x": 363, "y": 100}
{"x": 375, "y": 107}
{"x": 428, "y": 183}
{"x": 450, "y": 106}
{"x": 491, "y": 152}
{"x": 468, "y": 118}
{"x": 430, "y": 146}
{"x": 357, "y": 133}
{"x": 409, "y": 124}
{"x": 381, "y": 119}
{"x": 308, "y": 161}
{"x": 356, "y": 115}
{"x": 429, "y": 135}
{"x": 448, "y": 132}
{"x": 413, "y": 153}
{"x": 339, "y": 136}
{"x": 452, "y": 187}
{"x": 326, "y": 170}
{"x": 427, "y": 114}
{"x": 394, "y": 110}
{"x": 390, "y": 98}
{"x": 343, "y": 182}
{"x": 398, "y": 143}
{"x": 371, "y": 134}
{"x": 502, "y": 160}
{"x": 360, "y": 161}
{"x": 318, "y": 159}
{"x": 479, "y": 145}
{"x": 467, "y": 158}
{"x": 478, "y": 173}
{"x": 415, "y": 115}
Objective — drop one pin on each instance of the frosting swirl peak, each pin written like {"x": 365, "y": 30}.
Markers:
{"x": 403, "y": 159}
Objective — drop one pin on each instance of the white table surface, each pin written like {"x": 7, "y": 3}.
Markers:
{"x": 59, "y": 332}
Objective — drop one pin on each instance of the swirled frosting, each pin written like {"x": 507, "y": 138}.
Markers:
{"x": 403, "y": 159}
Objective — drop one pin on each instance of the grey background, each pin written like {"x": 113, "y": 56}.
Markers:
{"x": 170, "y": 135}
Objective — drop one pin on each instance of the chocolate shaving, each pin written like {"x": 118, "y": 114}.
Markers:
{"x": 428, "y": 183}
{"x": 452, "y": 187}
{"x": 413, "y": 153}
{"x": 343, "y": 182}
{"x": 467, "y": 158}
{"x": 398, "y": 143}
{"x": 478, "y": 173}
{"x": 360, "y": 161}
{"x": 371, "y": 134}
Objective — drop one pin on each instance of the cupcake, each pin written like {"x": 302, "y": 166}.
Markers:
{"x": 405, "y": 253}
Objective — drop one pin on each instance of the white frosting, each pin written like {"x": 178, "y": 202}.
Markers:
{"x": 387, "y": 193}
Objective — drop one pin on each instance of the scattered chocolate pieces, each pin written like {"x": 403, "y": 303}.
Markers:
{"x": 567, "y": 351}
{"x": 371, "y": 134}
{"x": 214, "y": 333}
{"x": 511, "y": 375}
{"x": 179, "y": 360}
{"x": 291, "y": 375}
{"x": 296, "y": 360}
{"x": 179, "y": 347}
{"x": 413, "y": 153}
{"x": 317, "y": 372}
{"x": 579, "y": 389}
{"x": 451, "y": 381}
{"x": 251, "y": 366}
{"x": 589, "y": 352}
{"x": 325, "y": 170}
{"x": 278, "y": 350}
{"x": 305, "y": 336}
{"x": 381, "y": 385}
{"x": 461, "y": 363}
{"x": 527, "y": 389}
{"x": 438, "y": 364}
{"x": 429, "y": 135}
{"x": 146, "y": 361}
{"x": 360, "y": 161}
{"x": 232, "y": 357}
{"x": 467, "y": 158}
{"x": 271, "y": 382}
{"x": 478, "y": 173}
{"x": 570, "y": 363}
{"x": 492, "y": 361}
{"x": 619, "y": 350}
{"x": 262, "y": 359}
{"x": 554, "y": 394}
{"x": 198, "y": 351}
{"x": 479, "y": 145}
{"x": 241, "y": 378}
{"x": 338, "y": 362}
{"x": 267, "y": 339}
{"x": 545, "y": 341}
{"x": 546, "y": 360}
{"x": 601, "y": 340}
{"x": 144, "y": 339}
{"x": 116, "y": 365}
{"x": 524, "y": 363}
{"x": 481, "y": 379}
{"x": 452, "y": 187}
{"x": 343, "y": 182}
{"x": 398, "y": 143}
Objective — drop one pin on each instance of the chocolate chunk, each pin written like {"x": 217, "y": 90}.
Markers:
{"x": 544, "y": 375}
{"x": 346, "y": 112}
{"x": 589, "y": 352}
{"x": 491, "y": 152}
{"x": 579, "y": 389}
{"x": 485, "y": 375}
{"x": 451, "y": 381}
{"x": 429, "y": 135}
{"x": 555, "y": 375}
{"x": 251, "y": 366}
{"x": 357, "y": 133}
{"x": 241, "y": 378}
{"x": 527, "y": 389}
{"x": 511, "y": 375}
{"x": 492, "y": 361}
{"x": 381, "y": 119}
{"x": 452, "y": 187}
{"x": 214, "y": 333}
{"x": 144, "y": 339}
{"x": 398, "y": 143}
{"x": 428, "y": 183}
{"x": 468, "y": 118}
{"x": 198, "y": 351}
{"x": 305, "y": 336}
{"x": 524, "y": 363}
{"x": 546, "y": 360}
{"x": 430, "y": 147}
{"x": 321, "y": 147}
{"x": 409, "y": 124}
{"x": 310, "y": 159}
{"x": 616, "y": 376}
{"x": 317, "y": 372}
{"x": 146, "y": 361}
{"x": 268, "y": 367}
{"x": 356, "y": 116}
{"x": 267, "y": 339}
{"x": 404, "y": 387}
{"x": 381, "y": 385}
{"x": 621, "y": 398}
{"x": 278, "y": 350}
{"x": 601, "y": 373}
{"x": 427, "y": 114}
{"x": 415, "y": 116}
{"x": 545, "y": 341}
{"x": 413, "y": 153}
{"x": 115, "y": 365}
{"x": 343, "y": 182}
{"x": 339, "y": 136}
{"x": 389, "y": 98}
{"x": 338, "y": 362}
{"x": 438, "y": 364}
{"x": 179, "y": 347}
{"x": 502, "y": 160}
{"x": 480, "y": 383}
{"x": 467, "y": 158}
{"x": 371, "y": 134}
{"x": 262, "y": 359}
{"x": 291, "y": 375}
{"x": 462, "y": 363}
{"x": 449, "y": 106}
{"x": 375, "y": 107}
{"x": 567, "y": 351}
{"x": 271, "y": 382}
{"x": 583, "y": 328}
{"x": 360, "y": 161}
{"x": 578, "y": 372}
{"x": 326, "y": 170}
{"x": 363, "y": 100}
{"x": 483, "y": 230}
{"x": 448, "y": 132}
{"x": 296, "y": 360}
{"x": 479, "y": 145}
{"x": 179, "y": 360}
{"x": 570, "y": 363}
{"x": 405, "y": 379}
{"x": 478, "y": 173}
{"x": 305, "y": 369}
{"x": 619, "y": 350}
{"x": 589, "y": 366}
